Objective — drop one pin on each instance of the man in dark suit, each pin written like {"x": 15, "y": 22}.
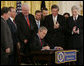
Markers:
{"x": 37, "y": 43}
{"x": 13, "y": 29}
{"x": 55, "y": 24}
{"x": 38, "y": 20}
{"x": 44, "y": 13}
{"x": 75, "y": 32}
{"x": 6, "y": 37}
{"x": 26, "y": 27}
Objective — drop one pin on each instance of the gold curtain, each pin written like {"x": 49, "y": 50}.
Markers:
{"x": 34, "y": 5}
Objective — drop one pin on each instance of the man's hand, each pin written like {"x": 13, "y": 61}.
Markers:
{"x": 46, "y": 48}
{"x": 56, "y": 26}
{"x": 58, "y": 48}
{"x": 25, "y": 41}
{"x": 8, "y": 50}
{"x": 74, "y": 29}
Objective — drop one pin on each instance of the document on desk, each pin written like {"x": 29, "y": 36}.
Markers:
{"x": 49, "y": 50}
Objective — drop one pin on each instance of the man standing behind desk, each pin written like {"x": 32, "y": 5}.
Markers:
{"x": 44, "y": 14}
{"x": 13, "y": 28}
{"x": 75, "y": 29}
{"x": 38, "y": 20}
{"x": 55, "y": 24}
{"x": 26, "y": 27}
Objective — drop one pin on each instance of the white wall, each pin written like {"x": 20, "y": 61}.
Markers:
{"x": 65, "y": 6}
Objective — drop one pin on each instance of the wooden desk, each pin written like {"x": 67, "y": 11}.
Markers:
{"x": 50, "y": 56}
{"x": 47, "y": 57}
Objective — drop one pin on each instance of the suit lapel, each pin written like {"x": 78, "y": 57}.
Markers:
{"x": 58, "y": 19}
{"x": 52, "y": 20}
{"x": 39, "y": 40}
{"x": 25, "y": 21}
{"x": 12, "y": 24}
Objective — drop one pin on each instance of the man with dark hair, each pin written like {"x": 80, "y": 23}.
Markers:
{"x": 44, "y": 12}
{"x": 6, "y": 38}
{"x": 66, "y": 15}
{"x": 39, "y": 23}
{"x": 55, "y": 24}
{"x": 55, "y": 6}
{"x": 4, "y": 10}
{"x": 37, "y": 11}
{"x": 13, "y": 28}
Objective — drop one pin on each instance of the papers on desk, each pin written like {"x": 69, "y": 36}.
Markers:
{"x": 55, "y": 49}
{"x": 50, "y": 49}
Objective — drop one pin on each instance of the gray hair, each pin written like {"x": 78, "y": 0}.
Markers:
{"x": 75, "y": 7}
{"x": 42, "y": 28}
{"x": 25, "y": 5}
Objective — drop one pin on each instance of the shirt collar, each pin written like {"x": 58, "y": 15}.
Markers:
{"x": 37, "y": 21}
{"x": 11, "y": 19}
{"x": 54, "y": 17}
{"x": 76, "y": 17}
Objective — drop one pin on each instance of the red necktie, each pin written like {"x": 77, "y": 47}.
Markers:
{"x": 14, "y": 23}
{"x": 41, "y": 42}
{"x": 28, "y": 21}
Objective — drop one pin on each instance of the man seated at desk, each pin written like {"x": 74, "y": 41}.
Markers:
{"x": 38, "y": 43}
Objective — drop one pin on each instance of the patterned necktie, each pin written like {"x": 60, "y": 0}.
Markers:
{"x": 75, "y": 19}
{"x": 14, "y": 23}
{"x": 28, "y": 21}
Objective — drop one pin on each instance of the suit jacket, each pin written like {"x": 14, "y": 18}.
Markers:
{"x": 41, "y": 24}
{"x": 6, "y": 38}
{"x": 55, "y": 37}
{"x": 35, "y": 44}
{"x": 13, "y": 29}
{"x": 6, "y": 41}
{"x": 42, "y": 20}
{"x": 75, "y": 40}
{"x": 22, "y": 27}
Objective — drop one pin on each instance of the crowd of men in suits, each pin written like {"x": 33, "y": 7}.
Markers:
{"x": 43, "y": 31}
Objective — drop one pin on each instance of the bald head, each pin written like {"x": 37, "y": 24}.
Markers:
{"x": 25, "y": 9}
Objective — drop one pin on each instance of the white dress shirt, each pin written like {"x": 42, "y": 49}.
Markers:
{"x": 38, "y": 23}
{"x": 75, "y": 18}
{"x": 13, "y": 21}
{"x": 55, "y": 19}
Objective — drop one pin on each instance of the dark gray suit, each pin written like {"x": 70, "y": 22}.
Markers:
{"x": 6, "y": 42}
{"x": 76, "y": 40}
